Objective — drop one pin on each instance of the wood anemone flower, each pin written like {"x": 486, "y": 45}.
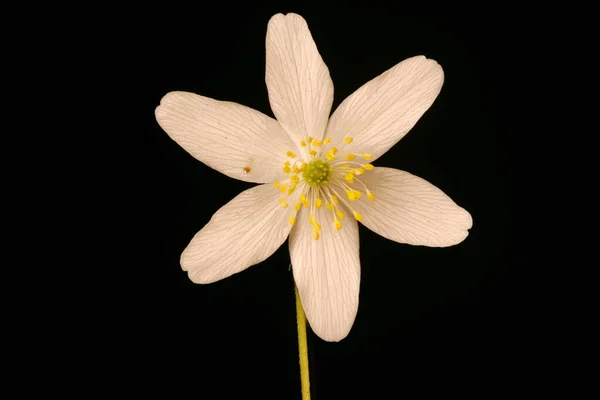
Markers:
{"x": 316, "y": 173}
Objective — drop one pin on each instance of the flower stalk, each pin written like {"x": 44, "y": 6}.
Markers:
{"x": 302, "y": 347}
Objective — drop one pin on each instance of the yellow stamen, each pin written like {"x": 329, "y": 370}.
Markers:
{"x": 358, "y": 216}
{"x": 368, "y": 167}
{"x": 316, "y": 235}
{"x": 329, "y": 206}
{"x": 351, "y": 195}
{"x": 283, "y": 188}
{"x": 295, "y": 179}
{"x": 330, "y": 156}
{"x": 286, "y": 164}
{"x": 370, "y": 195}
{"x": 276, "y": 184}
{"x": 292, "y": 220}
{"x": 297, "y": 206}
{"x": 326, "y": 140}
{"x": 367, "y": 156}
{"x": 357, "y": 194}
{"x": 338, "y": 224}
{"x": 348, "y": 140}
{"x": 286, "y": 170}
{"x": 309, "y": 139}
{"x": 350, "y": 156}
{"x": 349, "y": 177}
{"x": 318, "y": 203}
{"x": 282, "y": 203}
{"x": 302, "y": 143}
{"x": 303, "y": 167}
{"x": 359, "y": 171}
{"x": 292, "y": 188}
{"x": 333, "y": 150}
{"x": 339, "y": 214}
{"x": 304, "y": 200}
{"x": 335, "y": 200}
{"x": 312, "y": 152}
{"x": 317, "y": 143}
{"x": 290, "y": 154}
{"x": 345, "y": 166}
{"x": 296, "y": 170}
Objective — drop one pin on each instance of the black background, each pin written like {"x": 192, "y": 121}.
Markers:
{"x": 499, "y": 316}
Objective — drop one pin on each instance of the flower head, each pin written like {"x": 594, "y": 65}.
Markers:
{"x": 316, "y": 173}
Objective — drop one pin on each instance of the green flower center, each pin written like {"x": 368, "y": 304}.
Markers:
{"x": 317, "y": 172}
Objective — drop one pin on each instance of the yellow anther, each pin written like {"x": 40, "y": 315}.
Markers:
{"x": 326, "y": 140}
{"x": 329, "y": 206}
{"x": 318, "y": 203}
{"x": 358, "y": 216}
{"x": 350, "y": 156}
{"x": 338, "y": 224}
{"x": 315, "y": 224}
{"x": 370, "y": 195}
{"x": 312, "y": 152}
{"x": 368, "y": 167}
{"x": 339, "y": 214}
{"x": 351, "y": 195}
{"x": 335, "y": 200}
{"x": 359, "y": 171}
{"x": 292, "y": 220}
{"x": 303, "y": 200}
{"x": 290, "y": 154}
{"x": 309, "y": 139}
{"x": 292, "y": 188}
{"x": 297, "y": 206}
{"x": 302, "y": 143}
{"x": 349, "y": 177}
{"x": 286, "y": 170}
{"x": 330, "y": 156}
{"x": 333, "y": 150}
{"x": 367, "y": 156}
{"x": 283, "y": 188}
{"x": 286, "y": 164}
{"x": 345, "y": 166}
{"x": 317, "y": 143}
{"x": 282, "y": 203}
{"x": 303, "y": 167}
{"x": 276, "y": 184}
{"x": 357, "y": 194}
{"x": 295, "y": 179}
{"x": 348, "y": 140}
{"x": 315, "y": 235}
{"x": 295, "y": 170}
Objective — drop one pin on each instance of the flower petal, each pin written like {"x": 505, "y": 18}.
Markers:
{"x": 244, "y": 232}
{"x": 300, "y": 88}
{"x": 411, "y": 210}
{"x": 327, "y": 273}
{"x": 238, "y": 141}
{"x": 384, "y": 109}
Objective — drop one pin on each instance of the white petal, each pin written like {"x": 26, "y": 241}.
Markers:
{"x": 384, "y": 109}
{"x": 236, "y": 140}
{"x": 300, "y": 88}
{"x": 327, "y": 273}
{"x": 411, "y": 210}
{"x": 244, "y": 232}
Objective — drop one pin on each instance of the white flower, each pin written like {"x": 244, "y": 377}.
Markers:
{"x": 316, "y": 173}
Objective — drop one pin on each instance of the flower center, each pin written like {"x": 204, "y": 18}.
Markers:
{"x": 322, "y": 177}
{"x": 317, "y": 173}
